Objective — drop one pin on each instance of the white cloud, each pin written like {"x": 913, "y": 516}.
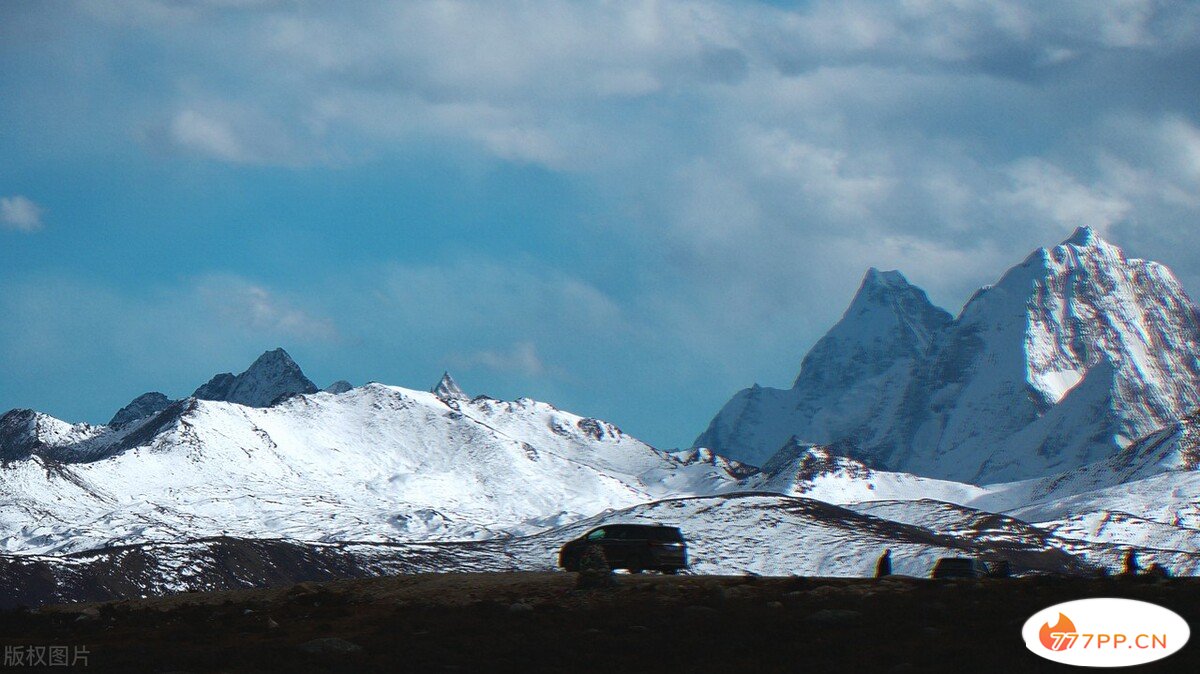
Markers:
{"x": 742, "y": 163}
{"x": 20, "y": 213}
{"x": 256, "y": 310}
{"x": 1049, "y": 194}
{"x": 1181, "y": 141}
{"x": 239, "y": 134}
{"x": 194, "y": 131}
{"x": 521, "y": 358}
{"x": 741, "y": 136}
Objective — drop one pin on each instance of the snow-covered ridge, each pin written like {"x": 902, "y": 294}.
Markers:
{"x": 821, "y": 473}
{"x": 739, "y": 533}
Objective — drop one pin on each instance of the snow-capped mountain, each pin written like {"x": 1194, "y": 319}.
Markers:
{"x": 373, "y": 463}
{"x": 339, "y": 482}
{"x": 1070, "y": 356}
{"x": 847, "y": 381}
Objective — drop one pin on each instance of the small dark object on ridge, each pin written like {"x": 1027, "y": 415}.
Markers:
{"x": 1156, "y": 570}
{"x": 884, "y": 566}
{"x": 1130, "y": 566}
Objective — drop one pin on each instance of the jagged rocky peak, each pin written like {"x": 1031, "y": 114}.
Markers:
{"x": 273, "y": 377}
{"x": 140, "y": 408}
{"x": 339, "y": 386}
{"x": 888, "y": 289}
{"x": 849, "y": 380}
{"x": 1083, "y": 236}
{"x": 448, "y": 389}
{"x": 799, "y": 467}
{"x": 877, "y": 278}
{"x": 18, "y": 434}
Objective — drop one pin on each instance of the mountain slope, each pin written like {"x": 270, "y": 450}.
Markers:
{"x": 847, "y": 381}
{"x": 1171, "y": 452}
{"x": 1106, "y": 549}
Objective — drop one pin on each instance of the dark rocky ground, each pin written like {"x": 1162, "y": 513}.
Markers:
{"x": 539, "y": 622}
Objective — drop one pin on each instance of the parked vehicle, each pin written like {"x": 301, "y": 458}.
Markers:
{"x": 635, "y": 547}
{"x": 959, "y": 567}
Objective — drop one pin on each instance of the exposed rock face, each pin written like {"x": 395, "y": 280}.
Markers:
{"x": 448, "y": 389}
{"x": 140, "y": 408}
{"x": 271, "y": 378}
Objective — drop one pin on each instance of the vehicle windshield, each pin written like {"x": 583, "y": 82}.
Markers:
{"x": 635, "y": 532}
{"x": 669, "y": 534}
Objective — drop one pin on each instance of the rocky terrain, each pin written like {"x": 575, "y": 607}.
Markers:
{"x": 539, "y": 622}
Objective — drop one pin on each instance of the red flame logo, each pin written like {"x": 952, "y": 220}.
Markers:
{"x": 1064, "y": 625}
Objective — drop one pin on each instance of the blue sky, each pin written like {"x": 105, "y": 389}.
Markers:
{"x": 630, "y": 209}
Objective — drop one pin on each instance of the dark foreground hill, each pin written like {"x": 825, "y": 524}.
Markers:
{"x": 472, "y": 622}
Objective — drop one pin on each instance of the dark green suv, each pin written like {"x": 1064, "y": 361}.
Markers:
{"x": 635, "y": 547}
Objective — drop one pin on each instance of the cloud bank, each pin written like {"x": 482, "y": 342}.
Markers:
{"x": 743, "y": 162}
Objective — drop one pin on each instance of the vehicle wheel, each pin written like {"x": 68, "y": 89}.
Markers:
{"x": 670, "y": 571}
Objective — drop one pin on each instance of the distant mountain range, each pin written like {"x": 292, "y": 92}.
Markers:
{"x": 1052, "y": 423}
{"x": 374, "y": 462}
